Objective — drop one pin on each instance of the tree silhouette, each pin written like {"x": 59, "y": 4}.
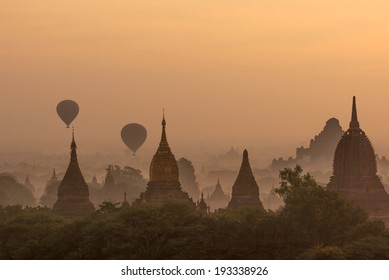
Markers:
{"x": 187, "y": 178}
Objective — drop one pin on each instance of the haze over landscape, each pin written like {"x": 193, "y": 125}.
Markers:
{"x": 259, "y": 74}
{"x": 264, "y": 124}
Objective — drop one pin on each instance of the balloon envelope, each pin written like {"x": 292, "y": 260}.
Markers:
{"x": 134, "y": 135}
{"x": 67, "y": 110}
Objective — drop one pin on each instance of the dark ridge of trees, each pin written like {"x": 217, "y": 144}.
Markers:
{"x": 12, "y": 192}
{"x": 314, "y": 224}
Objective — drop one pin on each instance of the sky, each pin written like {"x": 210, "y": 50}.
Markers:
{"x": 262, "y": 74}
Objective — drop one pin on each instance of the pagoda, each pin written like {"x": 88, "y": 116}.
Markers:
{"x": 50, "y": 192}
{"x": 109, "y": 181}
{"x": 164, "y": 185}
{"x": 355, "y": 170}
{"x": 73, "y": 194}
{"x": 202, "y": 207}
{"x": 245, "y": 191}
{"x": 94, "y": 180}
{"x": 218, "y": 199}
{"x": 53, "y": 178}
{"x": 218, "y": 194}
{"x": 28, "y": 185}
{"x": 125, "y": 203}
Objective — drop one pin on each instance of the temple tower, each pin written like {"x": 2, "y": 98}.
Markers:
{"x": 94, "y": 180}
{"x": 245, "y": 191}
{"x": 73, "y": 194}
{"x": 218, "y": 199}
{"x": 202, "y": 207}
{"x": 53, "y": 178}
{"x": 164, "y": 185}
{"x": 28, "y": 185}
{"x": 125, "y": 202}
{"x": 109, "y": 181}
{"x": 355, "y": 170}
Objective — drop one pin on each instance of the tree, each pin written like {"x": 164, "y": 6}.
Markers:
{"x": 127, "y": 180}
{"x": 188, "y": 178}
{"x": 314, "y": 214}
{"x": 323, "y": 253}
{"x": 107, "y": 207}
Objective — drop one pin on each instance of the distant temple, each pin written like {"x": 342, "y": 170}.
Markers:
{"x": 355, "y": 170}
{"x": 28, "y": 185}
{"x": 125, "y": 202}
{"x": 321, "y": 148}
{"x": 202, "y": 207}
{"x": 164, "y": 185}
{"x": 94, "y": 180}
{"x": 109, "y": 181}
{"x": 218, "y": 199}
{"x": 53, "y": 178}
{"x": 50, "y": 192}
{"x": 73, "y": 194}
{"x": 245, "y": 191}
{"x": 324, "y": 144}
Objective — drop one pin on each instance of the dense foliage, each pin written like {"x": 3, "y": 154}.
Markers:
{"x": 314, "y": 224}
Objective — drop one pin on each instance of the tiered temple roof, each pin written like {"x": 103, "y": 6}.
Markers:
{"x": 355, "y": 170}
{"x": 164, "y": 185}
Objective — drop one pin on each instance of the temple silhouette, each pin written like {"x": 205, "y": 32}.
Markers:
{"x": 50, "y": 192}
{"x": 202, "y": 207}
{"x": 73, "y": 194}
{"x": 109, "y": 181}
{"x": 245, "y": 191}
{"x": 323, "y": 145}
{"x": 355, "y": 170}
{"x": 320, "y": 151}
{"x": 164, "y": 185}
{"x": 218, "y": 199}
{"x": 28, "y": 184}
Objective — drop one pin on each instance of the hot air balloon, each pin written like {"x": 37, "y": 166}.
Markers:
{"x": 134, "y": 135}
{"x": 67, "y": 110}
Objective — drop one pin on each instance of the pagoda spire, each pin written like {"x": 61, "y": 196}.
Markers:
{"x": 73, "y": 148}
{"x": 354, "y": 124}
{"x": 218, "y": 187}
{"x": 163, "y": 145}
{"x": 125, "y": 202}
{"x": 54, "y": 176}
{"x": 245, "y": 157}
{"x": 27, "y": 180}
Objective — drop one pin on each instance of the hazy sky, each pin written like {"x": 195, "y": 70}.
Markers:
{"x": 264, "y": 74}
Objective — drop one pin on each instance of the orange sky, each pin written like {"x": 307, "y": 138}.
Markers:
{"x": 263, "y": 74}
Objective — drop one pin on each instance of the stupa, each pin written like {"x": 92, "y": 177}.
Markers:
{"x": 164, "y": 185}
{"x": 355, "y": 170}
{"x": 73, "y": 194}
{"x": 245, "y": 191}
